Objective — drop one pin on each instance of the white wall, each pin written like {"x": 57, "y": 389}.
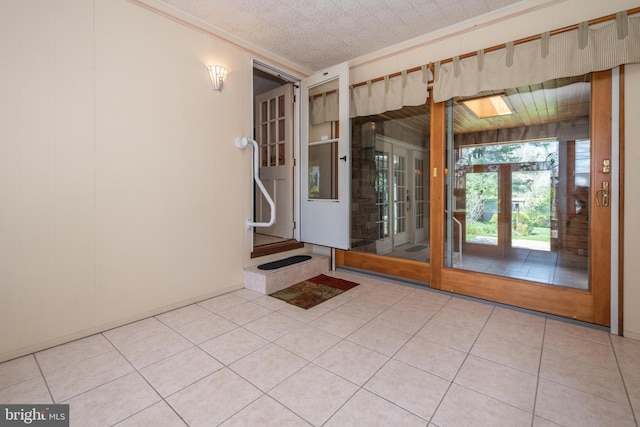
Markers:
{"x": 121, "y": 191}
{"x": 631, "y": 322}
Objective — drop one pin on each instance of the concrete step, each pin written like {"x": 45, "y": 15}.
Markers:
{"x": 269, "y": 281}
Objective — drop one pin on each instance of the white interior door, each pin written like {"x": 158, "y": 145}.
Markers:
{"x": 325, "y": 158}
{"x": 274, "y": 135}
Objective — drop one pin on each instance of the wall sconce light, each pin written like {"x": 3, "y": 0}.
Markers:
{"x": 218, "y": 75}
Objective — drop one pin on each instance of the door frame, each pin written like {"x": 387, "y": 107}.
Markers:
{"x": 268, "y": 68}
{"x": 593, "y": 305}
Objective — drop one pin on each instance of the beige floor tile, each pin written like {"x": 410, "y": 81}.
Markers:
{"x": 441, "y": 332}
{"x": 233, "y": 345}
{"x": 518, "y": 333}
{"x": 633, "y": 389}
{"x": 628, "y": 354}
{"x": 514, "y": 316}
{"x": 213, "y": 399}
{"x": 514, "y": 355}
{"x": 269, "y": 366}
{"x": 408, "y": 387}
{"x": 431, "y": 357}
{"x": 338, "y": 323}
{"x": 581, "y": 349}
{"x": 152, "y": 349}
{"x": 180, "y": 370}
{"x": 469, "y": 305}
{"x": 380, "y": 338}
{"x": 352, "y": 362}
{"x": 380, "y": 297}
{"x": 500, "y": 382}
{"x": 402, "y": 321}
{"x": 18, "y": 370}
{"x": 182, "y": 316}
{"x": 265, "y": 412}
{"x": 222, "y": 302}
{"x": 314, "y": 393}
{"x": 159, "y": 414}
{"x": 418, "y": 306}
{"x": 112, "y": 402}
{"x": 245, "y": 313}
{"x": 578, "y": 331}
{"x": 29, "y": 391}
{"x": 473, "y": 320}
{"x": 464, "y": 407}
{"x": 72, "y": 353}
{"x": 308, "y": 342}
{"x": 247, "y": 294}
{"x": 271, "y": 303}
{"x": 570, "y": 407}
{"x": 367, "y": 409}
{"x": 273, "y": 326}
{"x": 302, "y": 315}
{"x": 205, "y": 328}
{"x": 541, "y": 422}
{"x": 592, "y": 379}
{"x": 135, "y": 331}
{"x": 394, "y": 289}
{"x": 361, "y": 309}
{"x": 76, "y": 379}
{"x": 429, "y": 295}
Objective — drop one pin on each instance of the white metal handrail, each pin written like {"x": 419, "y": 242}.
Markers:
{"x": 242, "y": 143}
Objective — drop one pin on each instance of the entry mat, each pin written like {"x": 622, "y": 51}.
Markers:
{"x": 284, "y": 262}
{"x": 314, "y": 291}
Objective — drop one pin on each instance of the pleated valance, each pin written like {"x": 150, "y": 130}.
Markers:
{"x": 391, "y": 93}
{"x": 407, "y": 88}
{"x": 571, "y": 53}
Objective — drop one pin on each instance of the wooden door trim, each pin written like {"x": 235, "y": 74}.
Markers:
{"x": 600, "y": 239}
{"x": 403, "y": 268}
{"x": 566, "y": 302}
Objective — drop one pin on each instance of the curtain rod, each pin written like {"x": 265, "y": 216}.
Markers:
{"x": 501, "y": 46}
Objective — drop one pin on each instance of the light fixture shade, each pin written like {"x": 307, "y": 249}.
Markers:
{"x": 218, "y": 74}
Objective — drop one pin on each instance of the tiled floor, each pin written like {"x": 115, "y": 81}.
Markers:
{"x": 380, "y": 354}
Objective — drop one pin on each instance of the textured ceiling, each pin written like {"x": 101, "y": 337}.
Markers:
{"x": 316, "y": 34}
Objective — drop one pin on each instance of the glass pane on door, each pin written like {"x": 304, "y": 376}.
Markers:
{"x": 519, "y": 184}
{"x": 389, "y": 185}
{"x": 323, "y": 141}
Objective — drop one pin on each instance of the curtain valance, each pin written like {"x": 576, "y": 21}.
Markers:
{"x": 571, "y": 53}
{"x": 391, "y": 93}
{"x": 374, "y": 97}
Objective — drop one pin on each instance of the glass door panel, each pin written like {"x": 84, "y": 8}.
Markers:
{"x": 390, "y": 187}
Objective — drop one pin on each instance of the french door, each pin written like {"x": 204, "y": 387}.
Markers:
{"x": 534, "y": 214}
{"x": 518, "y": 215}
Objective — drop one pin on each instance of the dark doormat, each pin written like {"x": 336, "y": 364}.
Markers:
{"x": 314, "y": 291}
{"x": 284, "y": 262}
{"x": 416, "y": 248}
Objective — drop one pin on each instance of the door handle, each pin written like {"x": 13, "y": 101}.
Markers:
{"x": 604, "y": 193}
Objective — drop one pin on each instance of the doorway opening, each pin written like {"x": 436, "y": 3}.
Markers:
{"x": 273, "y": 118}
